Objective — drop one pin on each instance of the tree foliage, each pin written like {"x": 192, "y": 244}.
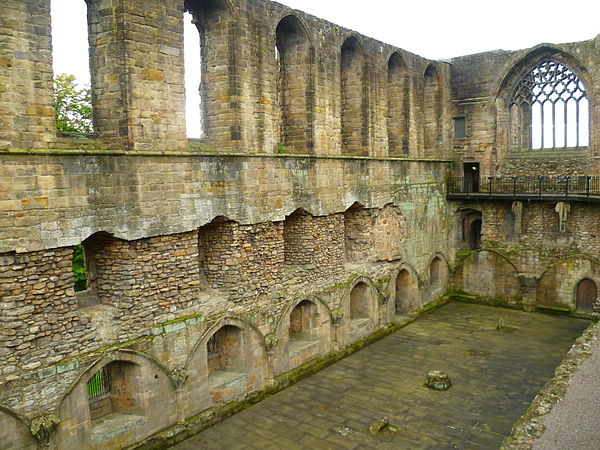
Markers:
{"x": 73, "y": 105}
{"x": 79, "y": 269}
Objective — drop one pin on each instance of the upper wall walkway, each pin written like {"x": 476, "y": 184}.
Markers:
{"x": 494, "y": 379}
{"x": 560, "y": 188}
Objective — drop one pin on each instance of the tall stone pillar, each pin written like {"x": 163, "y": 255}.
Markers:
{"x": 137, "y": 65}
{"x": 26, "y": 104}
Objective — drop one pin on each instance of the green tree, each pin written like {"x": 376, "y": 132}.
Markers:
{"x": 79, "y": 269}
{"x": 73, "y": 105}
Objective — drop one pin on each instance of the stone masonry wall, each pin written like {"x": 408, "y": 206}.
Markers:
{"x": 245, "y": 260}
{"x": 481, "y": 87}
{"x": 38, "y": 319}
{"x": 143, "y": 278}
{"x": 533, "y": 252}
{"x": 315, "y": 243}
{"x": 26, "y": 104}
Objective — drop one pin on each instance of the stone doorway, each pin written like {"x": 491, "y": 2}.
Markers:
{"x": 587, "y": 292}
{"x": 475, "y": 235}
{"x": 471, "y": 173}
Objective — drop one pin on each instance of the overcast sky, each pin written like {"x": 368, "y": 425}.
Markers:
{"x": 435, "y": 29}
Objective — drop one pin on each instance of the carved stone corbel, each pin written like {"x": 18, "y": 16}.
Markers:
{"x": 337, "y": 316}
{"x": 271, "y": 341}
{"x": 179, "y": 377}
{"x": 42, "y": 428}
{"x": 517, "y": 210}
{"x": 563, "y": 209}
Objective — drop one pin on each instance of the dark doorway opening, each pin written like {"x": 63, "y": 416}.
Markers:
{"x": 471, "y": 173}
{"x": 587, "y": 292}
{"x": 475, "y": 235}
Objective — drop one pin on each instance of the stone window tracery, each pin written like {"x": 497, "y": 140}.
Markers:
{"x": 549, "y": 109}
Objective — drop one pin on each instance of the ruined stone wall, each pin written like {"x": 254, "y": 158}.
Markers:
{"x": 246, "y": 260}
{"x": 26, "y": 104}
{"x": 145, "y": 278}
{"x": 481, "y": 88}
{"x": 250, "y": 102}
{"x": 38, "y": 318}
{"x": 529, "y": 249}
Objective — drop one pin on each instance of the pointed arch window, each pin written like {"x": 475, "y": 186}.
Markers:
{"x": 549, "y": 109}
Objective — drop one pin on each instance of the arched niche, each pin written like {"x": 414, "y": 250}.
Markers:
{"x": 398, "y": 106}
{"x": 361, "y": 310}
{"x": 228, "y": 361}
{"x": 113, "y": 403}
{"x": 432, "y": 111}
{"x": 219, "y": 89}
{"x": 559, "y": 285}
{"x": 551, "y": 82}
{"x": 294, "y": 85}
{"x": 406, "y": 285}
{"x": 14, "y": 432}
{"x": 470, "y": 224}
{"x": 489, "y": 275}
{"x": 355, "y": 136}
{"x": 437, "y": 277}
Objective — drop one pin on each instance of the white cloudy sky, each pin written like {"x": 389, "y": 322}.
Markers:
{"x": 435, "y": 29}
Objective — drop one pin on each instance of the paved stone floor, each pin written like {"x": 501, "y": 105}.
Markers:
{"x": 495, "y": 375}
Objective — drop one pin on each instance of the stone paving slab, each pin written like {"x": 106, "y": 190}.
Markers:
{"x": 495, "y": 377}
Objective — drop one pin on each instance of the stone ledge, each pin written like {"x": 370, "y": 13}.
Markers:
{"x": 529, "y": 427}
{"x": 201, "y": 154}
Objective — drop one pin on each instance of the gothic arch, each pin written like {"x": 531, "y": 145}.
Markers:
{"x": 531, "y": 117}
{"x": 238, "y": 322}
{"x": 558, "y": 283}
{"x": 317, "y": 301}
{"x": 127, "y": 355}
{"x": 489, "y": 274}
{"x": 432, "y": 110}
{"x": 373, "y": 290}
{"x": 354, "y": 97}
{"x": 14, "y": 430}
{"x": 397, "y": 106}
{"x": 412, "y": 291}
{"x": 517, "y": 69}
{"x": 294, "y": 58}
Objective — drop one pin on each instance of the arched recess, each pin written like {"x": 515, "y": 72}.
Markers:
{"x": 438, "y": 277}
{"x": 354, "y": 89}
{"x": 398, "y": 106}
{"x": 544, "y": 80}
{"x": 389, "y": 231}
{"x": 558, "y": 286}
{"x": 128, "y": 385}
{"x": 294, "y": 85}
{"x": 358, "y": 232}
{"x": 14, "y": 431}
{"x": 489, "y": 274}
{"x": 432, "y": 111}
{"x": 406, "y": 284}
{"x": 89, "y": 267}
{"x": 470, "y": 224}
{"x": 239, "y": 366}
{"x": 298, "y": 250}
{"x": 361, "y": 310}
{"x": 304, "y": 332}
{"x": 219, "y": 87}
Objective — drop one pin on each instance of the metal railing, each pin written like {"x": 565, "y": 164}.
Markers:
{"x": 560, "y": 187}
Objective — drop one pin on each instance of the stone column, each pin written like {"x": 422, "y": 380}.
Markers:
{"x": 26, "y": 104}
{"x": 137, "y": 70}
